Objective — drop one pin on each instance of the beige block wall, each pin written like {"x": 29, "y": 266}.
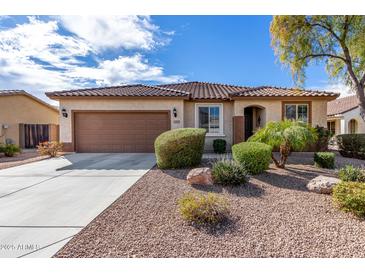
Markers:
{"x": 17, "y": 109}
{"x": 189, "y": 121}
{"x": 118, "y": 104}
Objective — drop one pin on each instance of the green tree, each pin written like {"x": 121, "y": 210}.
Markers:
{"x": 286, "y": 136}
{"x": 338, "y": 41}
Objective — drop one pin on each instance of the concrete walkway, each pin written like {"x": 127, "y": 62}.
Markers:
{"x": 44, "y": 204}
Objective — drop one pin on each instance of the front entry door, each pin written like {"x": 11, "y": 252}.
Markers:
{"x": 248, "y": 122}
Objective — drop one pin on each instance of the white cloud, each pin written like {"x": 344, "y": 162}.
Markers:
{"x": 102, "y": 32}
{"x": 124, "y": 69}
{"x": 337, "y": 87}
{"x": 36, "y": 56}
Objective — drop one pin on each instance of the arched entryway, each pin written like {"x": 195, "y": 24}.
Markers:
{"x": 352, "y": 126}
{"x": 255, "y": 118}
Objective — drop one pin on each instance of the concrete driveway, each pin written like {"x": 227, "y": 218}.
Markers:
{"x": 44, "y": 204}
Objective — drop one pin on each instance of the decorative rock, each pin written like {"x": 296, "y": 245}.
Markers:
{"x": 322, "y": 184}
{"x": 201, "y": 176}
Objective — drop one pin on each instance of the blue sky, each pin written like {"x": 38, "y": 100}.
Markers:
{"x": 43, "y": 53}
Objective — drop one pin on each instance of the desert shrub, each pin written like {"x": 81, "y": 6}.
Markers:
{"x": 229, "y": 172}
{"x": 350, "y": 197}
{"x": 324, "y": 136}
{"x": 9, "y": 150}
{"x": 179, "y": 148}
{"x": 324, "y": 159}
{"x": 351, "y": 145}
{"x": 203, "y": 209}
{"x": 254, "y": 156}
{"x": 350, "y": 173}
{"x": 219, "y": 146}
{"x": 49, "y": 148}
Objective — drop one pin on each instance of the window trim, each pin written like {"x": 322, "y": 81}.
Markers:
{"x": 220, "y": 106}
{"x": 308, "y": 103}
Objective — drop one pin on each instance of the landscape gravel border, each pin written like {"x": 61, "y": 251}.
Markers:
{"x": 272, "y": 216}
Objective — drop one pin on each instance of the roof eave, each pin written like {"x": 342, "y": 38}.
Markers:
{"x": 327, "y": 97}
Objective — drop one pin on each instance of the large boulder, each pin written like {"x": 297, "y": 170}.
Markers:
{"x": 322, "y": 184}
{"x": 201, "y": 176}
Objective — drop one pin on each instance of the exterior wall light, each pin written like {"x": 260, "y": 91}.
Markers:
{"x": 174, "y": 111}
{"x": 64, "y": 113}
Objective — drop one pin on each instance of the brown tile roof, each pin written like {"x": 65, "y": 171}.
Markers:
{"x": 24, "y": 93}
{"x": 204, "y": 90}
{"x": 192, "y": 90}
{"x": 265, "y": 91}
{"x": 342, "y": 105}
{"x": 124, "y": 91}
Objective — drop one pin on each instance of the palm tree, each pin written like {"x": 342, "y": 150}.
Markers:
{"x": 285, "y": 135}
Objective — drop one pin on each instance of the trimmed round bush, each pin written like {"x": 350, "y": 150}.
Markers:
{"x": 254, "y": 156}
{"x": 219, "y": 146}
{"x": 179, "y": 148}
{"x": 324, "y": 159}
{"x": 350, "y": 173}
{"x": 228, "y": 172}
{"x": 203, "y": 209}
{"x": 350, "y": 197}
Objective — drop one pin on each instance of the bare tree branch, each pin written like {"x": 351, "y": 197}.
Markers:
{"x": 323, "y": 55}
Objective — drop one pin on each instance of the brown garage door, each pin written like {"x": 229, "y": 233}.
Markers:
{"x": 118, "y": 131}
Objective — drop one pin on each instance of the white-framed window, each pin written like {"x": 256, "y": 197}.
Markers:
{"x": 210, "y": 117}
{"x": 297, "y": 112}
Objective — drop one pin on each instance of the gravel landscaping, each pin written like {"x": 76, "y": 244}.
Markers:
{"x": 21, "y": 159}
{"x": 272, "y": 216}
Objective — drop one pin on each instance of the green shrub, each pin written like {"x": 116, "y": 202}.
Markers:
{"x": 351, "y": 145}
{"x": 219, "y": 146}
{"x": 324, "y": 136}
{"x": 10, "y": 150}
{"x": 203, "y": 209}
{"x": 351, "y": 174}
{"x": 350, "y": 197}
{"x": 179, "y": 148}
{"x": 254, "y": 156}
{"x": 324, "y": 159}
{"x": 229, "y": 172}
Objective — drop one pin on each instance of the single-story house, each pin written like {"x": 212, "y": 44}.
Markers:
{"x": 129, "y": 118}
{"x": 343, "y": 116}
{"x": 25, "y": 120}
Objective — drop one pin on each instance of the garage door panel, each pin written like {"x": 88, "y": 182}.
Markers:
{"x": 118, "y": 131}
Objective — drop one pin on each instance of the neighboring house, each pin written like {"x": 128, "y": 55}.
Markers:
{"x": 343, "y": 116}
{"x": 129, "y": 118}
{"x": 26, "y": 120}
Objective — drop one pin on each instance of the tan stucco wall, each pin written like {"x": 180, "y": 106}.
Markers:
{"x": 20, "y": 109}
{"x": 118, "y": 104}
{"x": 189, "y": 121}
{"x": 273, "y": 109}
{"x": 319, "y": 113}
